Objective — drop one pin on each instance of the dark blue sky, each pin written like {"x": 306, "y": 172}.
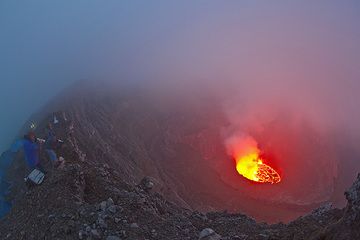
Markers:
{"x": 301, "y": 52}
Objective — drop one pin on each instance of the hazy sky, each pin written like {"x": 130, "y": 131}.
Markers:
{"x": 303, "y": 53}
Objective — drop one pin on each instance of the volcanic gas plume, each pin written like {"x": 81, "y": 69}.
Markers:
{"x": 249, "y": 163}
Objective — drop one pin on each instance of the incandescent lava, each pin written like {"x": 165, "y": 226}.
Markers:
{"x": 252, "y": 167}
{"x": 249, "y": 164}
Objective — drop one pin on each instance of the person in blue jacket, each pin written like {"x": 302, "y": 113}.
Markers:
{"x": 31, "y": 150}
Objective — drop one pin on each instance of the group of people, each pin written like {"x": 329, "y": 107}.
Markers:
{"x": 32, "y": 146}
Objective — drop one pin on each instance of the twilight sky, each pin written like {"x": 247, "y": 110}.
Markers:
{"x": 301, "y": 54}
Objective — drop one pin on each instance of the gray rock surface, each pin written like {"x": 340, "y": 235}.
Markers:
{"x": 209, "y": 234}
{"x": 113, "y": 238}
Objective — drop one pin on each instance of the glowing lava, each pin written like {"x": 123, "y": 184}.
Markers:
{"x": 248, "y": 162}
{"x": 253, "y": 168}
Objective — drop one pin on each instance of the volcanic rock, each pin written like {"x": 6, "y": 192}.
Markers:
{"x": 113, "y": 238}
{"x": 353, "y": 196}
{"x": 109, "y": 202}
{"x": 209, "y": 234}
{"x": 146, "y": 184}
{"x": 134, "y": 225}
{"x": 112, "y": 209}
{"x": 95, "y": 234}
{"x": 322, "y": 209}
{"x": 348, "y": 227}
{"x": 110, "y": 149}
{"x": 103, "y": 206}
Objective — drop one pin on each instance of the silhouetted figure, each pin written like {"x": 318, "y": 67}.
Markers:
{"x": 51, "y": 143}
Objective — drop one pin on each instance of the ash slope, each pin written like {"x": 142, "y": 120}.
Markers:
{"x": 88, "y": 199}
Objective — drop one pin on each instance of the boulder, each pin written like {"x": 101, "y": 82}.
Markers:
{"x": 109, "y": 202}
{"x": 146, "y": 184}
{"x": 134, "y": 225}
{"x": 103, "y": 205}
{"x": 209, "y": 234}
{"x": 112, "y": 209}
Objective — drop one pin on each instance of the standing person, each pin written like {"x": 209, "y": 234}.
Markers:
{"x": 51, "y": 143}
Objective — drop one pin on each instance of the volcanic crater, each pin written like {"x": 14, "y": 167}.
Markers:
{"x": 183, "y": 146}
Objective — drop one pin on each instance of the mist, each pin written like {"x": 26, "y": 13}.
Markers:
{"x": 263, "y": 59}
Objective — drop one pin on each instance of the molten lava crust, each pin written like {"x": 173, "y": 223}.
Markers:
{"x": 252, "y": 167}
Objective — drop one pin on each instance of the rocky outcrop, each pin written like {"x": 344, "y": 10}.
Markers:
{"x": 348, "y": 227}
{"x": 352, "y": 212}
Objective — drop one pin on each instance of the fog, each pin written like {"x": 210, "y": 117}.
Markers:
{"x": 301, "y": 57}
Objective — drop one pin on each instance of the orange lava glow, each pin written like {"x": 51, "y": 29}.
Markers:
{"x": 251, "y": 166}
{"x": 249, "y": 163}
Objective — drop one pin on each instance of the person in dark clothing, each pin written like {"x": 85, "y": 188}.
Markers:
{"x": 51, "y": 143}
{"x": 31, "y": 150}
